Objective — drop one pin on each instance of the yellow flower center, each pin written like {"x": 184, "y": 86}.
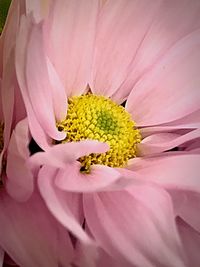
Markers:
{"x": 99, "y": 118}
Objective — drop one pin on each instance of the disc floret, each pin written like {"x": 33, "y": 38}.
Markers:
{"x": 99, "y": 118}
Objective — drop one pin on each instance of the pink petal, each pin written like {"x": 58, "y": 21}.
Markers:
{"x": 186, "y": 205}
{"x": 100, "y": 178}
{"x": 69, "y": 41}
{"x": 61, "y": 211}
{"x": 159, "y": 38}
{"x": 173, "y": 171}
{"x": 36, "y": 130}
{"x": 39, "y": 9}
{"x": 191, "y": 243}
{"x": 39, "y": 88}
{"x": 120, "y": 32}
{"x": 32, "y": 240}
{"x": 62, "y": 155}
{"x": 20, "y": 180}
{"x": 158, "y": 143}
{"x": 1, "y": 257}
{"x": 58, "y": 93}
{"x": 170, "y": 91}
{"x": 125, "y": 223}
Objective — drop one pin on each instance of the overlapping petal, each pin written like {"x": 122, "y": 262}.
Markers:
{"x": 116, "y": 43}
{"x": 180, "y": 170}
{"x": 144, "y": 209}
{"x": 160, "y": 142}
{"x": 19, "y": 177}
{"x": 170, "y": 90}
{"x": 69, "y": 38}
{"x": 31, "y": 236}
{"x": 191, "y": 242}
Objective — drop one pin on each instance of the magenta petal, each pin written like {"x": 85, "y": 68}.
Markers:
{"x": 30, "y": 235}
{"x": 61, "y": 211}
{"x": 20, "y": 179}
{"x": 191, "y": 243}
{"x": 125, "y": 223}
{"x": 158, "y": 143}
{"x": 173, "y": 171}
{"x": 70, "y": 40}
{"x": 98, "y": 179}
{"x": 170, "y": 90}
{"x": 120, "y": 31}
{"x": 39, "y": 87}
{"x": 63, "y": 154}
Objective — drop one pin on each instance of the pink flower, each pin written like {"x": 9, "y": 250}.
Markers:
{"x": 28, "y": 232}
{"x": 144, "y": 214}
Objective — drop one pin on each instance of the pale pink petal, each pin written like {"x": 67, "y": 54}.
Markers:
{"x": 54, "y": 203}
{"x": 20, "y": 179}
{"x": 190, "y": 121}
{"x": 100, "y": 178}
{"x": 158, "y": 143}
{"x": 186, "y": 205}
{"x": 30, "y": 235}
{"x": 8, "y": 97}
{"x": 191, "y": 242}
{"x": 120, "y": 32}
{"x": 172, "y": 170}
{"x": 58, "y": 93}
{"x": 69, "y": 41}
{"x": 39, "y": 87}
{"x": 172, "y": 22}
{"x": 21, "y": 45}
{"x": 194, "y": 146}
{"x": 39, "y": 9}
{"x": 62, "y": 155}
{"x": 125, "y": 223}
{"x": 8, "y": 36}
{"x": 86, "y": 255}
{"x": 170, "y": 91}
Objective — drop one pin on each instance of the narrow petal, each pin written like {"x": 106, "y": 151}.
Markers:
{"x": 191, "y": 242}
{"x": 58, "y": 93}
{"x": 159, "y": 38}
{"x": 62, "y": 155}
{"x": 61, "y": 212}
{"x": 70, "y": 39}
{"x": 39, "y": 87}
{"x": 20, "y": 179}
{"x": 190, "y": 121}
{"x": 173, "y": 171}
{"x": 124, "y": 223}
{"x": 186, "y": 204}
{"x": 32, "y": 240}
{"x": 158, "y": 143}
{"x": 100, "y": 177}
{"x": 170, "y": 91}
{"x": 120, "y": 32}
{"x": 21, "y": 45}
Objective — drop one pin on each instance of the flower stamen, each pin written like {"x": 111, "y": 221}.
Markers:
{"x": 99, "y": 118}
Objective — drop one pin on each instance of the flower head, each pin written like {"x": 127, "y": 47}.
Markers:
{"x": 106, "y": 173}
